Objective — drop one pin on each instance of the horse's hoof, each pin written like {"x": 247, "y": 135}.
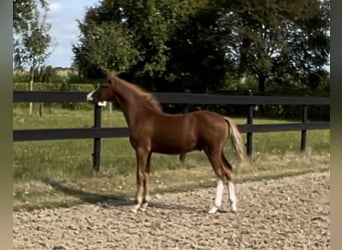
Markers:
{"x": 213, "y": 210}
{"x": 135, "y": 209}
{"x": 144, "y": 206}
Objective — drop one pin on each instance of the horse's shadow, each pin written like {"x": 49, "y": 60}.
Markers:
{"x": 89, "y": 197}
{"x": 108, "y": 201}
{"x": 173, "y": 206}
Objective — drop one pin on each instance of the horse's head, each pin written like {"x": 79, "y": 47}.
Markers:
{"x": 103, "y": 93}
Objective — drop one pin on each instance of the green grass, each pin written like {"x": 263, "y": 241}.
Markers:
{"x": 107, "y": 184}
{"x": 59, "y": 172}
{"x": 72, "y": 158}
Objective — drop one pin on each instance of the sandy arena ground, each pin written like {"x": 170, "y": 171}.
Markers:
{"x": 288, "y": 213}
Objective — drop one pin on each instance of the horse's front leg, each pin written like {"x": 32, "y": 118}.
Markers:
{"x": 146, "y": 183}
{"x": 141, "y": 158}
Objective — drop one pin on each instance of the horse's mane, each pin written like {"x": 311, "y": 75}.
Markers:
{"x": 149, "y": 98}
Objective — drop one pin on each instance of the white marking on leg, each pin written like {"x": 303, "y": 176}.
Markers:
{"x": 219, "y": 193}
{"x": 232, "y": 196}
{"x": 219, "y": 197}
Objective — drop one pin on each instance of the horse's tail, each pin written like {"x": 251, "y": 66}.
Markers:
{"x": 235, "y": 138}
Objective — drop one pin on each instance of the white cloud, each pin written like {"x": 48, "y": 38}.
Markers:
{"x": 55, "y": 7}
{"x": 62, "y": 16}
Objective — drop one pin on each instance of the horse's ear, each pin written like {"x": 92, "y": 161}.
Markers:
{"x": 111, "y": 74}
{"x": 103, "y": 69}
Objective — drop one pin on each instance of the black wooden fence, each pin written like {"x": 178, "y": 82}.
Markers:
{"x": 97, "y": 132}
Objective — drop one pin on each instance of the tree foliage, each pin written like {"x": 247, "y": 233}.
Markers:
{"x": 23, "y": 10}
{"x": 284, "y": 41}
{"x": 31, "y": 37}
{"x": 201, "y": 44}
{"x": 107, "y": 48}
{"x": 142, "y": 29}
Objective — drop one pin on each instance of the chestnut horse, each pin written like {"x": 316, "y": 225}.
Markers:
{"x": 152, "y": 130}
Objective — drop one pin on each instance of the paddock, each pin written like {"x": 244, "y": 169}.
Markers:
{"x": 286, "y": 213}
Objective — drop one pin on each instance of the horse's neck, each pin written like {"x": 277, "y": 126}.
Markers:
{"x": 135, "y": 113}
{"x": 129, "y": 105}
{"x": 121, "y": 90}
{"x": 130, "y": 114}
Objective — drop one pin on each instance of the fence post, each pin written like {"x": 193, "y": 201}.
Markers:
{"x": 304, "y": 131}
{"x": 250, "y": 134}
{"x": 97, "y": 140}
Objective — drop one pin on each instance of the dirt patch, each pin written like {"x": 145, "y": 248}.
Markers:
{"x": 288, "y": 213}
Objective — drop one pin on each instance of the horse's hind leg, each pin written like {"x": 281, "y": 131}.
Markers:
{"x": 228, "y": 169}
{"x": 232, "y": 196}
{"x": 215, "y": 162}
{"x": 219, "y": 197}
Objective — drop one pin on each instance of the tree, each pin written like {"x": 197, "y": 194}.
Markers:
{"x": 107, "y": 49}
{"x": 285, "y": 41}
{"x": 31, "y": 38}
{"x": 197, "y": 59}
{"x": 23, "y": 11}
{"x": 199, "y": 44}
{"x": 138, "y": 41}
{"x": 114, "y": 37}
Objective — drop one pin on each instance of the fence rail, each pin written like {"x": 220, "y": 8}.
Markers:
{"x": 178, "y": 98}
{"x": 97, "y": 132}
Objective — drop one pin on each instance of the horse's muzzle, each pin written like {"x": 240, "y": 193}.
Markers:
{"x": 90, "y": 97}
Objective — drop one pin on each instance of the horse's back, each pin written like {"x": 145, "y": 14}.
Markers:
{"x": 210, "y": 125}
{"x": 206, "y": 115}
{"x": 175, "y": 134}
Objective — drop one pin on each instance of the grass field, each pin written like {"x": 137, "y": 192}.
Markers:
{"x": 39, "y": 165}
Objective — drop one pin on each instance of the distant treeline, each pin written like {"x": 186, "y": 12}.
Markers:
{"x": 68, "y": 80}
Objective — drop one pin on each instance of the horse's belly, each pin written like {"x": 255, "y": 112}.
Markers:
{"x": 172, "y": 147}
{"x": 177, "y": 135}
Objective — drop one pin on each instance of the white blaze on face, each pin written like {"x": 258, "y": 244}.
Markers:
{"x": 90, "y": 98}
{"x": 90, "y": 95}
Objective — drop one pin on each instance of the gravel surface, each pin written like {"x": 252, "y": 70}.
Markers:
{"x": 288, "y": 213}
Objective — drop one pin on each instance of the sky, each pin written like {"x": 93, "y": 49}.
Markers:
{"x": 64, "y": 30}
